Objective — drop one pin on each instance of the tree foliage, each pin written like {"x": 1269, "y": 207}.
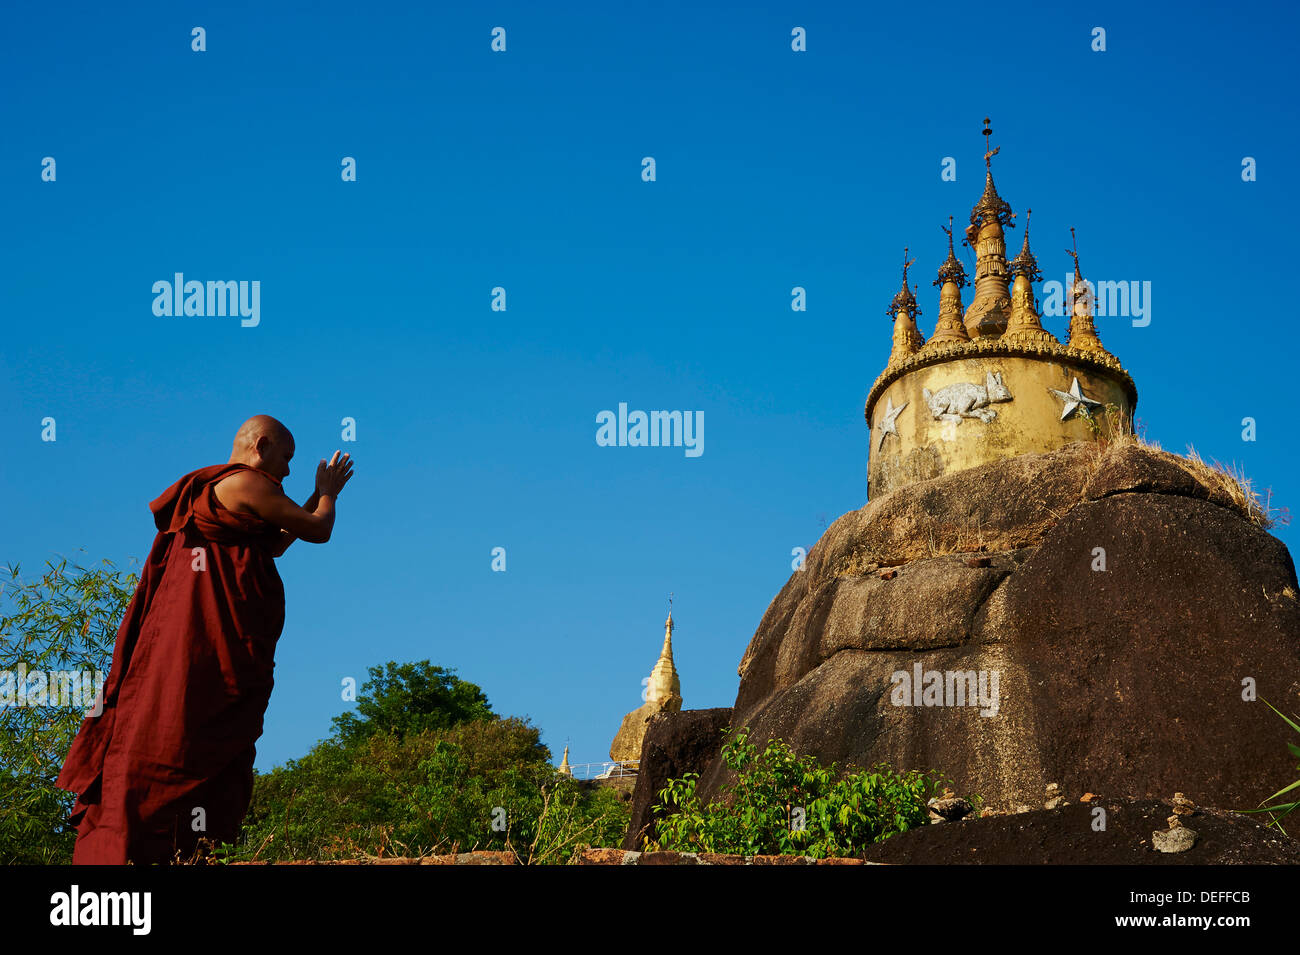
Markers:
{"x": 409, "y": 698}
{"x": 479, "y": 785}
{"x": 65, "y": 620}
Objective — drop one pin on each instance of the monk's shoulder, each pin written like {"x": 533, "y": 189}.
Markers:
{"x": 240, "y": 489}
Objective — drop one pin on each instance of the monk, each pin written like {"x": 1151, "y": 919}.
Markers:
{"x": 168, "y": 760}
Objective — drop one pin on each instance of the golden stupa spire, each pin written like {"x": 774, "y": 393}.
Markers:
{"x": 565, "y": 769}
{"x": 904, "y": 310}
{"x": 951, "y": 280}
{"x": 1025, "y": 324}
{"x": 664, "y": 682}
{"x": 1083, "y": 331}
{"x": 991, "y": 307}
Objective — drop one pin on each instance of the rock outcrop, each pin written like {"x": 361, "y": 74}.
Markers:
{"x": 1126, "y": 680}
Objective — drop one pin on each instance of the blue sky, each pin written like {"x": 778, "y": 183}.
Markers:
{"x": 522, "y": 169}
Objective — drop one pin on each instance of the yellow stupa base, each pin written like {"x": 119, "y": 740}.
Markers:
{"x": 977, "y": 424}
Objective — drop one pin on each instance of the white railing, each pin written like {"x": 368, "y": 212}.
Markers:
{"x": 608, "y": 770}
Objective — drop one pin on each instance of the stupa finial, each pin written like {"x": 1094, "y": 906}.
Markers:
{"x": 1025, "y": 264}
{"x": 1083, "y": 330}
{"x": 951, "y": 279}
{"x": 988, "y": 153}
{"x": 905, "y": 299}
{"x": 951, "y": 270}
{"x": 1073, "y": 252}
{"x": 991, "y": 206}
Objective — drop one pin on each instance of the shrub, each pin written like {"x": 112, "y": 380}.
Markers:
{"x": 782, "y": 803}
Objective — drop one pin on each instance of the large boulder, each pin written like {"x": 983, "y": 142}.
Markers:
{"x": 1131, "y": 680}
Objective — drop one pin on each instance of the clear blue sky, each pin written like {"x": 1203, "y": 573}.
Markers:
{"x": 522, "y": 170}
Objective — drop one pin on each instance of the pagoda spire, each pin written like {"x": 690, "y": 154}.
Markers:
{"x": 1083, "y": 330}
{"x": 1024, "y": 325}
{"x": 988, "y": 313}
{"x": 664, "y": 682}
{"x": 951, "y": 280}
{"x": 904, "y": 310}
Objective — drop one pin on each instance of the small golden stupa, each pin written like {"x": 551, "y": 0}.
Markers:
{"x": 565, "y": 769}
{"x": 991, "y": 382}
{"x": 663, "y": 693}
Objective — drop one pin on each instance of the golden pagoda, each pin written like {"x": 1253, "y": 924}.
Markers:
{"x": 665, "y": 687}
{"x": 991, "y": 382}
{"x": 565, "y": 769}
{"x": 663, "y": 693}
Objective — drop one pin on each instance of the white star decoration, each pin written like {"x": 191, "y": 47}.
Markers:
{"x": 889, "y": 423}
{"x": 1075, "y": 398}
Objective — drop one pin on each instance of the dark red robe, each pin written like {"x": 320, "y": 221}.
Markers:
{"x": 189, "y": 684}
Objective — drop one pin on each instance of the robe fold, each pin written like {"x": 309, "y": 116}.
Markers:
{"x": 169, "y": 760}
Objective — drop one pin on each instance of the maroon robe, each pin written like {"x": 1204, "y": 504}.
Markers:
{"x": 189, "y": 684}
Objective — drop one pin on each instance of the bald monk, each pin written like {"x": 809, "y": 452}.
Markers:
{"x": 169, "y": 760}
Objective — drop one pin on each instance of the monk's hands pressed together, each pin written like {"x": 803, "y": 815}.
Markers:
{"x": 331, "y": 477}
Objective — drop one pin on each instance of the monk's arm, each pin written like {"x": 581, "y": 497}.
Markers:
{"x": 272, "y": 505}
{"x": 286, "y": 538}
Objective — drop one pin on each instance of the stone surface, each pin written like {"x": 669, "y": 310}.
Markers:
{"x": 1125, "y": 681}
{"x": 1178, "y": 839}
{"x": 1182, "y": 805}
{"x": 949, "y": 808}
{"x": 1066, "y": 837}
{"x": 675, "y": 744}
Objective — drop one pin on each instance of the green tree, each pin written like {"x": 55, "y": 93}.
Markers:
{"x": 67, "y": 621}
{"x": 784, "y": 803}
{"x": 482, "y": 784}
{"x": 409, "y": 698}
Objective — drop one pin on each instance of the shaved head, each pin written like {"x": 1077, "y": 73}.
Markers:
{"x": 258, "y": 425}
{"x": 264, "y": 443}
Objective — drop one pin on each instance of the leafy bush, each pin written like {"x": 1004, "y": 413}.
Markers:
{"x": 782, "y": 803}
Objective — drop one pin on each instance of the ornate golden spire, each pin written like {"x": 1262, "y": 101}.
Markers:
{"x": 664, "y": 682}
{"x": 991, "y": 207}
{"x": 1024, "y": 324}
{"x": 1025, "y": 264}
{"x": 1083, "y": 331}
{"x": 907, "y": 338}
{"x": 988, "y": 313}
{"x": 951, "y": 280}
{"x": 565, "y": 769}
